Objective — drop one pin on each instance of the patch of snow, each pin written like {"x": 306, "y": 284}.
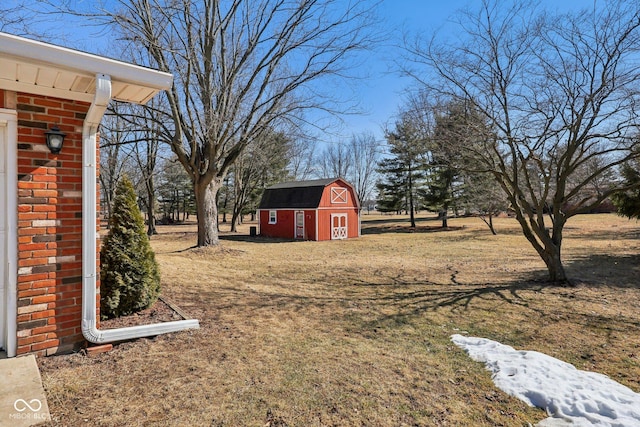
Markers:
{"x": 570, "y": 396}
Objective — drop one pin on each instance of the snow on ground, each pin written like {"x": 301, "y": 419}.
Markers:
{"x": 570, "y": 396}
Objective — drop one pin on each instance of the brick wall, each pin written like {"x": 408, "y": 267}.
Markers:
{"x": 49, "y": 226}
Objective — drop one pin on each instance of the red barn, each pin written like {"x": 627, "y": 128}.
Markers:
{"x": 321, "y": 209}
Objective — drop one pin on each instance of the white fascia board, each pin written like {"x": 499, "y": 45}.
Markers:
{"x": 46, "y": 91}
{"x": 60, "y": 57}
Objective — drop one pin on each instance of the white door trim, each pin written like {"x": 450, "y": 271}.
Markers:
{"x": 341, "y": 231}
{"x": 8, "y": 271}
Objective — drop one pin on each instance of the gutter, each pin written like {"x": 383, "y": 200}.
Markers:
{"x": 63, "y": 58}
{"x": 89, "y": 237}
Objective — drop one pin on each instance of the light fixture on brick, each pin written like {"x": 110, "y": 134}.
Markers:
{"x": 55, "y": 138}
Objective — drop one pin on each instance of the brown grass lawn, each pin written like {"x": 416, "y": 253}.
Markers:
{"x": 357, "y": 333}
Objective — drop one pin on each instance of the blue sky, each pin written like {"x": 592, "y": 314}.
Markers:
{"x": 380, "y": 94}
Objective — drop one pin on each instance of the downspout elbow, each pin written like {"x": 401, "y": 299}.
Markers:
{"x": 90, "y": 332}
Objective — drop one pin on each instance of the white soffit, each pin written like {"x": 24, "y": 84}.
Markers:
{"x": 35, "y": 67}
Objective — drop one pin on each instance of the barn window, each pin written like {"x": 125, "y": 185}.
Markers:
{"x": 273, "y": 218}
{"x": 338, "y": 195}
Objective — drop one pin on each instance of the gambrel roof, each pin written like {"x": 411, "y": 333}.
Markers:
{"x": 297, "y": 194}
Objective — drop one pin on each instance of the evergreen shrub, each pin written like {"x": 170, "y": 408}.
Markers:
{"x": 129, "y": 277}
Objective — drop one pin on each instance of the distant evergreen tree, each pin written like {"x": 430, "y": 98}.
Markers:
{"x": 390, "y": 191}
{"x": 628, "y": 202}
{"x": 129, "y": 278}
{"x": 404, "y": 170}
{"x": 442, "y": 188}
{"x": 456, "y": 181}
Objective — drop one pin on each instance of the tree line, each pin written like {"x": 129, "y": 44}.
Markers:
{"x": 423, "y": 169}
{"x": 165, "y": 191}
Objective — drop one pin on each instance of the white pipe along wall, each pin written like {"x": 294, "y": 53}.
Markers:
{"x": 89, "y": 226}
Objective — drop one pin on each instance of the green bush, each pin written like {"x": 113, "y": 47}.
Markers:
{"x": 129, "y": 278}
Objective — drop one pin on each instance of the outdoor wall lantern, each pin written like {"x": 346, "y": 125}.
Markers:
{"x": 55, "y": 138}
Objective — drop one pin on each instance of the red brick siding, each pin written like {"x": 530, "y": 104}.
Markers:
{"x": 49, "y": 226}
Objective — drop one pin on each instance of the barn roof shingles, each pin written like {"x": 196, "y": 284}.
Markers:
{"x": 295, "y": 194}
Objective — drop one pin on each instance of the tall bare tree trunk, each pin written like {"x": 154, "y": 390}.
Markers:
{"x": 207, "y": 212}
{"x": 412, "y": 210}
{"x": 151, "y": 211}
{"x": 444, "y": 216}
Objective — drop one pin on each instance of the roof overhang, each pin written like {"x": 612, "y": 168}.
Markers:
{"x": 45, "y": 69}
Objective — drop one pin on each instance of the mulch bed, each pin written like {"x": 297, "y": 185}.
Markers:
{"x": 159, "y": 312}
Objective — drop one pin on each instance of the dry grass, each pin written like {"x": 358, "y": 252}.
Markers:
{"x": 356, "y": 333}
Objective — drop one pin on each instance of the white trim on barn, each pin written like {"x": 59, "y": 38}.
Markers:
{"x": 341, "y": 231}
{"x": 296, "y": 225}
{"x": 339, "y": 195}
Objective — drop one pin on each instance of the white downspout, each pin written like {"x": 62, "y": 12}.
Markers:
{"x": 11, "y": 233}
{"x": 89, "y": 237}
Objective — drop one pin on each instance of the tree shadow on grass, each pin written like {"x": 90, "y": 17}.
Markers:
{"x": 403, "y": 300}
{"x": 622, "y": 271}
{"x": 226, "y": 237}
{"x": 403, "y": 225}
{"x": 255, "y": 239}
{"x": 397, "y": 299}
{"x": 414, "y": 297}
{"x": 405, "y": 228}
{"x": 608, "y": 235}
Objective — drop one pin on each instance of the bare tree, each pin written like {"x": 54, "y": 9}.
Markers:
{"x": 146, "y": 157}
{"x": 115, "y": 158}
{"x": 484, "y": 198}
{"x": 242, "y": 68}
{"x": 336, "y": 161}
{"x": 557, "y": 92}
{"x": 175, "y": 191}
{"x": 12, "y": 17}
{"x": 263, "y": 163}
{"x": 365, "y": 153}
{"x": 302, "y": 158}
{"x": 127, "y": 131}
